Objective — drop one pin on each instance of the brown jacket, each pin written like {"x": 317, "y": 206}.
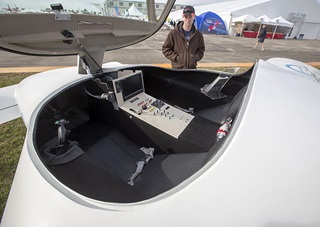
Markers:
{"x": 181, "y": 53}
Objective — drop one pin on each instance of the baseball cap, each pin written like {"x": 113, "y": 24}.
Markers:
{"x": 188, "y": 10}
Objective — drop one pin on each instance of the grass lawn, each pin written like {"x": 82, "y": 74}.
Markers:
{"x": 11, "y": 140}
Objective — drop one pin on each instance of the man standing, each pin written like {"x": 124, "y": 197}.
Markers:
{"x": 184, "y": 45}
{"x": 262, "y": 36}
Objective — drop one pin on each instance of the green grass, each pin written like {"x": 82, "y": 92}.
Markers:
{"x": 7, "y": 79}
{"x": 12, "y": 135}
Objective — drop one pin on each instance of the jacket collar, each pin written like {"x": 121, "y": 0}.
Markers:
{"x": 180, "y": 29}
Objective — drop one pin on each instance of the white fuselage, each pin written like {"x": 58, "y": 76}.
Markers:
{"x": 265, "y": 174}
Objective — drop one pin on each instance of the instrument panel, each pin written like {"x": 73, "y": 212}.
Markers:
{"x": 131, "y": 97}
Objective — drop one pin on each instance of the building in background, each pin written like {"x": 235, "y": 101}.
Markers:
{"x": 120, "y": 7}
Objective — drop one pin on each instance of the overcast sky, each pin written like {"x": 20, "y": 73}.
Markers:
{"x": 37, "y": 4}
{"x": 201, "y": 2}
{"x": 81, "y": 4}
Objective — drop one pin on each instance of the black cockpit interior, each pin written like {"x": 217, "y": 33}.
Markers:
{"x": 101, "y": 150}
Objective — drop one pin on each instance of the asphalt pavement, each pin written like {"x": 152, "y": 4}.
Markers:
{"x": 220, "y": 50}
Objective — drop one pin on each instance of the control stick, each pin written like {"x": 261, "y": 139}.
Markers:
{"x": 62, "y": 136}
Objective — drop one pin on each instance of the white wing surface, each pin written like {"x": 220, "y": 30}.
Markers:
{"x": 8, "y": 106}
{"x": 298, "y": 68}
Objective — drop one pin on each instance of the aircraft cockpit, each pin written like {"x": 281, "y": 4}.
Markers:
{"x": 138, "y": 129}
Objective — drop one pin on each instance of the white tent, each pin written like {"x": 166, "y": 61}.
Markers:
{"x": 134, "y": 12}
{"x": 101, "y": 8}
{"x": 280, "y": 21}
{"x": 247, "y": 18}
{"x": 264, "y": 19}
{"x": 246, "y": 21}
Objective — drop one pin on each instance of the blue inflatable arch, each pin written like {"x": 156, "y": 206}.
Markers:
{"x": 211, "y": 23}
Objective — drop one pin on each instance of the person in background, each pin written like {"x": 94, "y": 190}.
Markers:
{"x": 262, "y": 36}
{"x": 126, "y": 13}
{"x": 184, "y": 45}
{"x": 238, "y": 30}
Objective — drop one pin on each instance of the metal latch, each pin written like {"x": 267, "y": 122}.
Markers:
{"x": 62, "y": 16}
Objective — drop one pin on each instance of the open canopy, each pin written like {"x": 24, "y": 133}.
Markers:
{"x": 280, "y": 21}
{"x": 264, "y": 19}
{"x": 247, "y": 18}
{"x": 250, "y": 26}
{"x": 63, "y": 31}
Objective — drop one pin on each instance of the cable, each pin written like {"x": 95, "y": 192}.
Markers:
{"x": 94, "y": 96}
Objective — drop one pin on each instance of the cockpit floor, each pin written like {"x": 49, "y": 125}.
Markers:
{"x": 103, "y": 171}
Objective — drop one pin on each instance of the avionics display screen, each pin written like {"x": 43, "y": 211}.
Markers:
{"x": 132, "y": 86}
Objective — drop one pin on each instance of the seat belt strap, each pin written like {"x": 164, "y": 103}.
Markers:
{"x": 140, "y": 164}
{"x": 149, "y": 153}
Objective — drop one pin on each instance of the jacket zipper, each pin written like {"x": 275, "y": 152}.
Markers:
{"x": 188, "y": 53}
